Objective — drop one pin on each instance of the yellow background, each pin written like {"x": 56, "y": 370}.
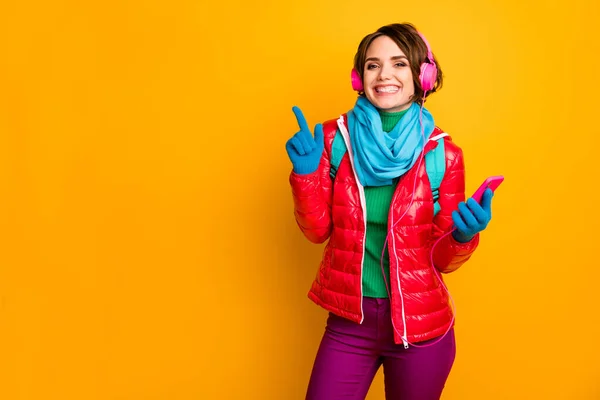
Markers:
{"x": 148, "y": 248}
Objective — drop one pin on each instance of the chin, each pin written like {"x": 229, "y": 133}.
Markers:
{"x": 394, "y": 107}
{"x": 389, "y": 104}
{"x": 385, "y": 105}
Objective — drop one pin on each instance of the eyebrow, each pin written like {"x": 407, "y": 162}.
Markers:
{"x": 393, "y": 58}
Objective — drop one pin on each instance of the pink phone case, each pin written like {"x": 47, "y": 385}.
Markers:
{"x": 492, "y": 182}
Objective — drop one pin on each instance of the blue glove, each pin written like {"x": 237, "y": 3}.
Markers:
{"x": 471, "y": 218}
{"x": 304, "y": 150}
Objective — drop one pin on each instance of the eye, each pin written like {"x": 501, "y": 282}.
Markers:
{"x": 401, "y": 64}
{"x": 371, "y": 66}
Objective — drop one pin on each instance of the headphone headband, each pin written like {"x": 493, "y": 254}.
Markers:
{"x": 429, "y": 53}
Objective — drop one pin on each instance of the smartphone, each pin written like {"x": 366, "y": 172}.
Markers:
{"x": 492, "y": 182}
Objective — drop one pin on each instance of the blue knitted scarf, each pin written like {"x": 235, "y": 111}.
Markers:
{"x": 380, "y": 157}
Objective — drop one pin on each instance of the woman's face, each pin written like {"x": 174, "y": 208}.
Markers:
{"x": 387, "y": 77}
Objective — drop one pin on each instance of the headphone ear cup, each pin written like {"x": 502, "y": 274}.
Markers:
{"x": 356, "y": 81}
{"x": 428, "y": 76}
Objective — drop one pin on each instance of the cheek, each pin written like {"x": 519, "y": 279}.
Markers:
{"x": 409, "y": 77}
{"x": 410, "y": 83}
{"x": 368, "y": 81}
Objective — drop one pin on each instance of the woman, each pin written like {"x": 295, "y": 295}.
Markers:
{"x": 387, "y": 303}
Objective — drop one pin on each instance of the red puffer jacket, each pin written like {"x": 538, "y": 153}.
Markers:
{"x": 336, "y": 210}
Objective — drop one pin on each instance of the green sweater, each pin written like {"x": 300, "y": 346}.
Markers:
{"x": 378, "y": 200}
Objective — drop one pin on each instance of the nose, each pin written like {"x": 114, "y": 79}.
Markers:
{"x": 385, "y": 72}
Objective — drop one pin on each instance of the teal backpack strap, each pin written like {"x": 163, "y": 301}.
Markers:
{"x": 435, "y": 164}
{"x": 338, "y": 149}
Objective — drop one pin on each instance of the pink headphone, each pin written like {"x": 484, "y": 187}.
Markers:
{"x": 427, "y": 77}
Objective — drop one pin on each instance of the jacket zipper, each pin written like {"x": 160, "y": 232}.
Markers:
{"x": 391, "y": 216}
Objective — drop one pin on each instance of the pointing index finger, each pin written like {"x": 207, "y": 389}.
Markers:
{"x": 300, "y": 118}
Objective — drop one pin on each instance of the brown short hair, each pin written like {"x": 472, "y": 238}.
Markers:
{"x": 412, "y": 45}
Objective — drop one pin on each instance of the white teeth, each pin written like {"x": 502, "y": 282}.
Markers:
{"x": 387, "y": 89}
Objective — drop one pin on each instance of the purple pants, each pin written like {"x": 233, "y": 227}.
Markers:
{"x": 350, "y": 355}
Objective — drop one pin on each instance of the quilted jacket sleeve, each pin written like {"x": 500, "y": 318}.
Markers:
{"x": 312, "y": 194}
{"x": 449, "y": 254}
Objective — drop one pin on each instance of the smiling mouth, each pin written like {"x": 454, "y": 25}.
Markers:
{"x": 387, "y": 89}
